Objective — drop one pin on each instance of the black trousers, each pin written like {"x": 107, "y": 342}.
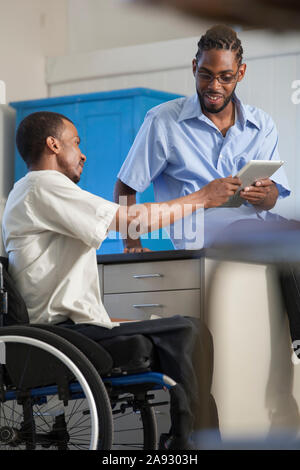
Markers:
{"x": 289, "y": 279}
{"x": 184, "y": 351}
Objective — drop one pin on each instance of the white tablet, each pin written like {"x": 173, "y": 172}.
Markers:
{"x": 249, "y": 174}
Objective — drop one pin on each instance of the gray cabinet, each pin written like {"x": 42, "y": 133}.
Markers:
{"x": 153, "y": 289}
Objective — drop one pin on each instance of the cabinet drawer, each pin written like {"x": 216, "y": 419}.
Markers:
{"x": 152, "y": 276}
{"x": 142, "y": 306}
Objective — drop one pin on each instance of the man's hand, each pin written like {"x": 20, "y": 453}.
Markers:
{"x": 263, "y": 194}
{"x": 135, "y": 246}
{"x": 218, "y": 191}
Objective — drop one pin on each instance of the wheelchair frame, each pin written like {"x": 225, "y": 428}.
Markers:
{"x": 103, "y": 397}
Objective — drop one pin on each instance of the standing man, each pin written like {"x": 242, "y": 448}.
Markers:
{"x": 185, "y": 143}
{"x": 188, "y": 142}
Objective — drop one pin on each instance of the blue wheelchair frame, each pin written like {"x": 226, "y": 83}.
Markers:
{"x": 157, "y": 380}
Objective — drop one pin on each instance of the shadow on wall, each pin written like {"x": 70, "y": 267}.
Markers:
{"x": 273, "y": 14}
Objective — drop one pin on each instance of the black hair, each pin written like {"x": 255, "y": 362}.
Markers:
{"x": 220, "y": 37}
{"x": 33, "y": 132}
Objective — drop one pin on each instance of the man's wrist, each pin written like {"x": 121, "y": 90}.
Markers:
{"x": 130, "y": 243}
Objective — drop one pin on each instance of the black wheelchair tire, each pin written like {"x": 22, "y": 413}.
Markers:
{"x": 135, "y": 428}
{"x": 150, "y": 428}
{"x": 94, "y": 382}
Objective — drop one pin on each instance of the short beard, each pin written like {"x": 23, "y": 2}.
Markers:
{"x": 213, "y": 110}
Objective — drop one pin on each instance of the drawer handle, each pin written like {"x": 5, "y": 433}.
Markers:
{"x": 144, "y": 276}
{"x": 146, "y": 305}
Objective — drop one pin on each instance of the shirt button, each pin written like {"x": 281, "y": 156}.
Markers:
{"x": 221, "y": 156}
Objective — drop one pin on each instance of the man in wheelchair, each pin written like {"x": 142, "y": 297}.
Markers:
{"x": 51, "y": 230}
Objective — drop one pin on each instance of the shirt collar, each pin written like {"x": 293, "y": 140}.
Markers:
{"x": 192, "y": 109}
{"x": 244, "y": 114}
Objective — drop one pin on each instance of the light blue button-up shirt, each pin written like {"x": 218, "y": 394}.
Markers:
{"x": 180, "y": 150}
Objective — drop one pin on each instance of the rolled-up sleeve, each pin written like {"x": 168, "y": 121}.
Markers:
{"x": 60, "y": 206}
{"x": 269, "y": 151}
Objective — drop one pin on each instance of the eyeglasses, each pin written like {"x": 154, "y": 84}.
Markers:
{"x": 223, "y": 78}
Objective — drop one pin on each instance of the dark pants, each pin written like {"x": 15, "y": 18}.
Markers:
{"x": 184, "y": 352}
{"x": 289, "y": 278}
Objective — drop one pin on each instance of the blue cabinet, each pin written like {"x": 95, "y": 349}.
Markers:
{"x": 107, "y": 124}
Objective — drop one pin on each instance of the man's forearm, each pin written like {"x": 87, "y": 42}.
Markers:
{"x": 147, "y": 217}
{"x": 137, "y": 219}
{"x": 126, "y": 196}
{"x": 160, "y": 214}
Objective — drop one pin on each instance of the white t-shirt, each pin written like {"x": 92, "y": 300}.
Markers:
{"x": 51, "y": 230}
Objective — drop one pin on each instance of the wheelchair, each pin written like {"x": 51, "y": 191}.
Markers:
{"x": 59, "y": 390}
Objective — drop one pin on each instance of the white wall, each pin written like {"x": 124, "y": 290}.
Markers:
{"x": 106, "y": 24}
{"x": 30, "y": 30}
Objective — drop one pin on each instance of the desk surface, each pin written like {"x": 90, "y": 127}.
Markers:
{"x": 276, "y": 246}
{"x": 149, "y": 256}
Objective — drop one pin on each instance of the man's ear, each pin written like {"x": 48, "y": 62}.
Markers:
{"x": 194, "y": 63}
{"x": 53, "y": 144}
{"x": 242, "y": 71}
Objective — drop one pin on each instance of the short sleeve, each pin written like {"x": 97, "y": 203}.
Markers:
{"x": 147, "y": 157}
{"x": 269, "y": 151}
{"x": 59, "y": 205}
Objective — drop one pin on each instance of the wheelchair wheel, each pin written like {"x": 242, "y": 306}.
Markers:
{"x": 51, "y": 397}
{"x": 134, "y": 425}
